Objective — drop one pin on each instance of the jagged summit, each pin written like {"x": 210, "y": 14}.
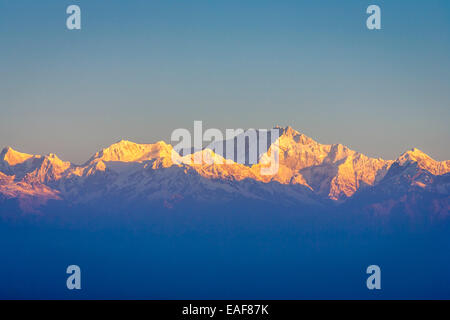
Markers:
{"x": 13, "y": 157}
{"x": 151, "y": 170}
{"x": 424, "y": 161}
{"x": 288, "y": 130}
{"x": 5, "y": 150}
{"x": 288, "y": 133}
{"x": 414, "y": 154}
{"x": 127, "y": 151}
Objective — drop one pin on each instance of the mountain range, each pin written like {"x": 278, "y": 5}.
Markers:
{"x": 310, "y": 174}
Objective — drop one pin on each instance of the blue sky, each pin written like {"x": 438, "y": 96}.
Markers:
{"x": 140, "y": 69}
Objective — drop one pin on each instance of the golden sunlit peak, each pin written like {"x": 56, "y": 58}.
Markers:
{"x": 414, "y": 153}
{"x": 52, "y": 156}
{"x": 56, "y": 161}
{"x": 13, "y": 157}
{"x": 122, "y": 142}
{"x": 162, "y": 143}
{"x": 127, "y": 151}
{"x": 291, "y": 135}
{"x": 288, "y": 130}
{"x": 424, "y": 161}
{"x": 7, "y": 149}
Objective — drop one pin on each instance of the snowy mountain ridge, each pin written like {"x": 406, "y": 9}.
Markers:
{"x": 309, "y": 172}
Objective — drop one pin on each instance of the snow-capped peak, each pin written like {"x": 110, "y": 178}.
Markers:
{"x": 127, "y": 151}
{"x": 288, "y": 135}
{"x": 329, "y": 171}
{"x": 13, "y": 157}
{"x": 424, "y": 161}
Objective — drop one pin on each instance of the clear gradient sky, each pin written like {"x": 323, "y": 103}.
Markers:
{"x": 140, "y": 69}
